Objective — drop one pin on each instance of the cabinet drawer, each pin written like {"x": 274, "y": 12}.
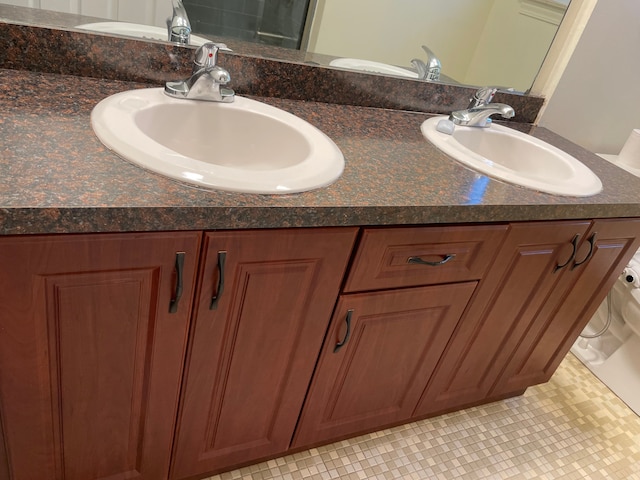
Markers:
{"x": 405, "y": 257}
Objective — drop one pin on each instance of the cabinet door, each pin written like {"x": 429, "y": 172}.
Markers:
{"x": 90, "y": 355}
{"x": 378, "y": 356}
{"x": 508, "y": 301}
{"x": 254, "y": 347}
{"x": 591, "y": 276}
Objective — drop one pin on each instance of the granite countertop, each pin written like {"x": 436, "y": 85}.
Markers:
{"x": 56, "y": 176}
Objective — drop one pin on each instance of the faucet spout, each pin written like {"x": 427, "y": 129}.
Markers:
{"x": 178, "y": 25}
{"x": 479, "y": 116}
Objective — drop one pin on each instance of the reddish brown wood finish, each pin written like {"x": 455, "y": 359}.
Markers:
{"x": 4, "y": 462}
{"x": 507, "y": 302}
{"x": 564, "y": 315}
{"x": 251, "y": 359}
{"x": 377, "y": 378}
{"x": 90, "y": 357}
{"x": 381, "y": 260}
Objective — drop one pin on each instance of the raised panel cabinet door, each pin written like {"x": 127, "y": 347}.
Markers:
{"x": 379, "y": 354}
{"x": 91, "y": 356}
{"x": 608, "y": 247}
{"x": 265, "y": 301}
{"x": 523, "y": 276}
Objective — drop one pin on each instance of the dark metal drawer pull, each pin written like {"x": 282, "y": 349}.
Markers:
{"x": 592, "y": 241}
{"x": 341, "y": 344}
{"x": 173, "y": 304}
{"x": 574, "y": 243}
{"x": 222, "y": 258}
{"x": 419, "y": 261}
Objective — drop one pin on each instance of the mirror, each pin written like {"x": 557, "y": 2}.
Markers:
{"x": 477, "y": 42}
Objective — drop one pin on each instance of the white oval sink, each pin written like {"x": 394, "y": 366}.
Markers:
{"x": 138, "y": 31}
{"x": 515, "y": 157}
{"x": 372, "y": 67}
{"x": 244, "y": 146}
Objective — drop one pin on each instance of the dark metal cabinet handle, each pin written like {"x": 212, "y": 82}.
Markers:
{"x": 419, "y": 261}
{"x": 341, "y": 344}
{"x": 592, "y": 241}
{"x": 222, "y": 258}
{"x": 173, "y": 304}
{"x": 574, "y": 243}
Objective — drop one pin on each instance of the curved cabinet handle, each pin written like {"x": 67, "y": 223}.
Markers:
{"x": 222, "y": 258}
{"x": 419, "y": 261}
{"x": 341, "y": 344}
{"x": 592, "y": 242}
{"x": 173, "y": 304}
{"x": 574, "y": 244}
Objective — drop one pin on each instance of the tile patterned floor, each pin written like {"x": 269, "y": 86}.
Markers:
{"x": 573, "y": 427}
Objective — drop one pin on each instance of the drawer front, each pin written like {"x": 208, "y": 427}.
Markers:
{"x": 406, "y": 257}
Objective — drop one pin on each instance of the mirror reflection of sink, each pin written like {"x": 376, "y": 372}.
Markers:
{"x": 515, "y": 157}
{"x": 244, "y": 146}
{"x": 136, "y": 30}
{"x": 372, "y": 67}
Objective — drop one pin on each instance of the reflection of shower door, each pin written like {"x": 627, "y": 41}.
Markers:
{"x": 273, "y": 22}
{"x": 148, "y": 12}
{"x": 281, "y": 22}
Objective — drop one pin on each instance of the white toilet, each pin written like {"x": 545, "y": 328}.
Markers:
{"x": 614, "y": 354}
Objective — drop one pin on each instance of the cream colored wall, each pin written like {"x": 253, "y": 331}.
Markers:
{"x": 514, "y": 31}
{"x": 597, "y": 100}
{"x": 450, "y": 29}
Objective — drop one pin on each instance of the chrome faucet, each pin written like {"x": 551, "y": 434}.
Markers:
{"x": 480, "y": 109}
{"x": 429, "y": 70}
{"x": 206, "y": 80}
{"x": 178, "y": 25}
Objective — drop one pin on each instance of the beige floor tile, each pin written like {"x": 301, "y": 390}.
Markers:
{"x": 571, "y": 428}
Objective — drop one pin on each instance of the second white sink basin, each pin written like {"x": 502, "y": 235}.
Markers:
{"x": 244, "y": 146}
{"x": 515, "y": 157}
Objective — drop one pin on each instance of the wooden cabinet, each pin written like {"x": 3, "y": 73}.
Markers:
{"x": 252, "y": 355}
{"x": 536, "y": 298}
{"x": 90, "y": 355}
{"x": 606, "y": 249}
{"x": 142, "y": 356}
{"x": 393, "y": 339}
{"x": 379, "y": 354}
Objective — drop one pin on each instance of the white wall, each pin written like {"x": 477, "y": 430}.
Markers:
{"x": 597, "y": 101}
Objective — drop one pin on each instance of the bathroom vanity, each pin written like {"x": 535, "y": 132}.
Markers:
{"x": 152, "y": 330}
{"x": 238, "y": 346}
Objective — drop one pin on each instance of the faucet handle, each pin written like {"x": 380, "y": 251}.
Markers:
{"x": 482, "y": 96}
{"x": 206, "y": 55}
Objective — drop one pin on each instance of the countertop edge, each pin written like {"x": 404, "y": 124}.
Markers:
{"x": 68, "y": 220}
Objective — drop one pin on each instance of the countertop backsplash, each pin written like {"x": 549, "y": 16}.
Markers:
{"x": 56, "y": 50}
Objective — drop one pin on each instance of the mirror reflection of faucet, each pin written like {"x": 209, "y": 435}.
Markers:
{"x": 179, "y": 28}
{"x": 429, "y": 70}
{"x": 478, "y": 112}
{"x": 178, "y": 25}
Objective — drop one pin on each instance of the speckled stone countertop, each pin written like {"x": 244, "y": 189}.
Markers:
{"x": 56, "y": 176}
